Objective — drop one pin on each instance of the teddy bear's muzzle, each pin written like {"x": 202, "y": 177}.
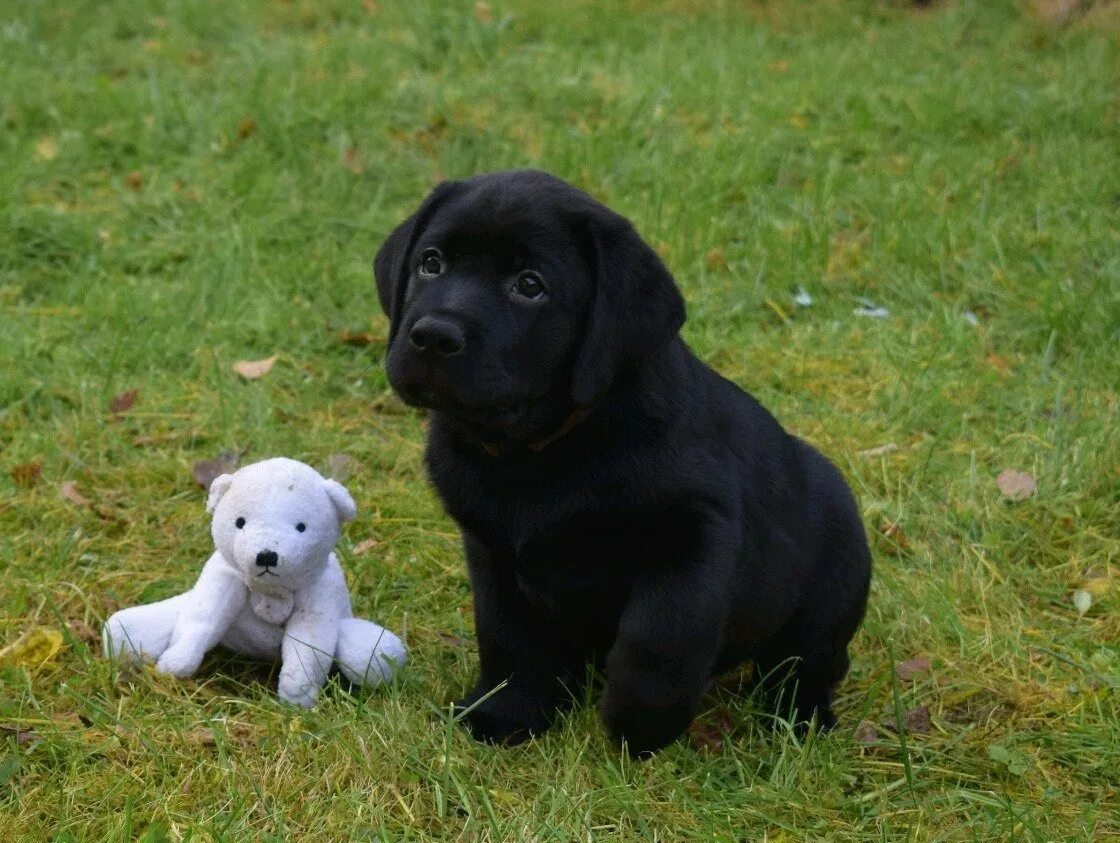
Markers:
{"x": 266, "y": 561}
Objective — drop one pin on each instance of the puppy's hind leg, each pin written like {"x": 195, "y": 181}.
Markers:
{"x": 367, "y": 654}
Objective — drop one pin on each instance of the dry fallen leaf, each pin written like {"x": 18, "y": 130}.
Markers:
{"x": 916, "y": 720}
{"x": 1016, "y": 485}
{"x": 124, "y": 401}
{"x": 46, "y": 148}
{"x": 1082, "y": 600}
{"x": 204, "y": 471}
{"x": 251, "y": 370}
{"x": 453, "y": 640}
{"x": 866, "y": 732}
{"x": 69, "y": 492}
{"x": 84, "y": 632}
{"x": 365, "y": 546}
{"x": 999, "y": 364}
{"x": 896, "y": 539}
{"x": 352, "y": 161}
{"x": 879, "y": 450}
{"x": 706, "y": 734}
{"x": 246, "y": 128}
{"x": 360, "y": 338}
{"x": 134, "y": 180}
{"x": 483, "y": 13}
{"x": 909, "y": 669}
{"x": 22, "y": 736}
{"x": 27, "y": 474}
{"x": 33, "y": 649}
{"x": 716, "y": 260}
{"x": 201, "y": 736}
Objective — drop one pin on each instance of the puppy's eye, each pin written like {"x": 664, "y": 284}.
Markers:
{"x": 529, "y": 285}
{"x": 431, "y": 264}
{"x": 301, "y": 526}
{"x": 239, "y": 523}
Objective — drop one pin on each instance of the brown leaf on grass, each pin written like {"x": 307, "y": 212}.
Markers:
{"x": 716, "y": 260}
{"x": 706, "y": 734}
{"x": 453, "y": 640}
{"x": 896, "y": 540}
{"x": 866, "y": 733}
{"x": 26, "y": 474}
{"x": 483, "y": 13}
{"x": 69, "y": 492}
{"x": 46, "y": 148}
{"x": 339, "y": 467}
{"x": 360, "y": 338}
{"x": 252, "y": 370}
{"x": 246, "y": 128}
{"x": 1016, "y": 485}
{"x": 999, "y": 364}
{"x": 123, "y": 402}
{"x": 33, "y": 649}
{"x": 23, "y": 736}
{"x": 134, "y": 180}
{"x": 352, "y": 161}
{"x": 201, "y": 736}
{"x": 205, "y": 471}
{"x": 911, "y": 668}
{"x": 879, "y": 450}
{"x": 365, "y": 546}
{"x": 84, "y": 632}
{"x": 916, "y": 720}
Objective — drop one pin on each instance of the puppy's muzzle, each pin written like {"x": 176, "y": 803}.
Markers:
{"x": 266, "y": 561}
{"x": 437, "y": 337}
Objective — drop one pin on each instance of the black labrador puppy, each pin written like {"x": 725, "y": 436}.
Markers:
{"x": 620, "y": 503}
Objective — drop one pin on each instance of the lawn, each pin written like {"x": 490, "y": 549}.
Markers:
{"x": 187, "y": 184}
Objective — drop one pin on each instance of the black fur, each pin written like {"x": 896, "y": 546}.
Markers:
{"x": 620, "y": 502}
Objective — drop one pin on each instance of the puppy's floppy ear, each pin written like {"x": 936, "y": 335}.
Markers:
{"x": 390, "y": 266}
{"x": 637, "y": 307}
{"x": 343, "y": 503}
{"x": 218, "y": 487}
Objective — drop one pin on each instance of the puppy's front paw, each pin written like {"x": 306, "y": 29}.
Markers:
{"x": 180, "y": 661}
{"x": 509, "y": 716}
{"x": 644, "y": 727}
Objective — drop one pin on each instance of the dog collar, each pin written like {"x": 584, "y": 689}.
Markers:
{"x": 573, "y": 418}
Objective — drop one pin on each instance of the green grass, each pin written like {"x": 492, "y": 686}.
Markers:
{"x": 186, "y": 185}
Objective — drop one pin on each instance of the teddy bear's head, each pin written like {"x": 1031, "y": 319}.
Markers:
{"x": 276, "y": 521}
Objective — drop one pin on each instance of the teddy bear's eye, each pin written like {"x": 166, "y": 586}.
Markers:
{"x": 239, "y": 523}
{"x": 301, "y": 526}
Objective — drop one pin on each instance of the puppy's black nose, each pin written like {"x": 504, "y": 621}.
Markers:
{"x": 436, "y": 335}
{"x": 268, "y": 559}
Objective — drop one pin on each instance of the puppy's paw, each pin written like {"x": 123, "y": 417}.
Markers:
{"x": 180, "y": 661}
{"x": 509, "y": 716}
{"x": 643, "y": 727}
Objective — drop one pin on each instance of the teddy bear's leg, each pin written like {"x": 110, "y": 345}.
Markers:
{"x": 141, "y": 631}
{"x": 367, "y": 654}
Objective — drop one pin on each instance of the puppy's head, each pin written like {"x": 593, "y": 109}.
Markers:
{"x": 514, "y": 298}
{"x": 276, "y": 521}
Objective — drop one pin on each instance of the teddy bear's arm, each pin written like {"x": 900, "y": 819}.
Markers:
{"x": 209, "y": 610}
{"x": 310, "y": 639}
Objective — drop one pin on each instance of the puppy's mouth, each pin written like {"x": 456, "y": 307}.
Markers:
{"x": 264, "y": 571}
{"x": 496, "y": 415}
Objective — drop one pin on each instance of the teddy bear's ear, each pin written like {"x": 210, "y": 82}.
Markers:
{"x": 218, "y": 487}
{"x": 343, "y": 503}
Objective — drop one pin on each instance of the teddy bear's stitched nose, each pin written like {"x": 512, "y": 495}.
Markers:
{"x": 267, "y": 559}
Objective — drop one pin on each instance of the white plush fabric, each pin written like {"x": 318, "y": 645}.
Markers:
{"x": 297, "y": 609}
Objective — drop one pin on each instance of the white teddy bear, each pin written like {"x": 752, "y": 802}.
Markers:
{"x": 273, "y": 588}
